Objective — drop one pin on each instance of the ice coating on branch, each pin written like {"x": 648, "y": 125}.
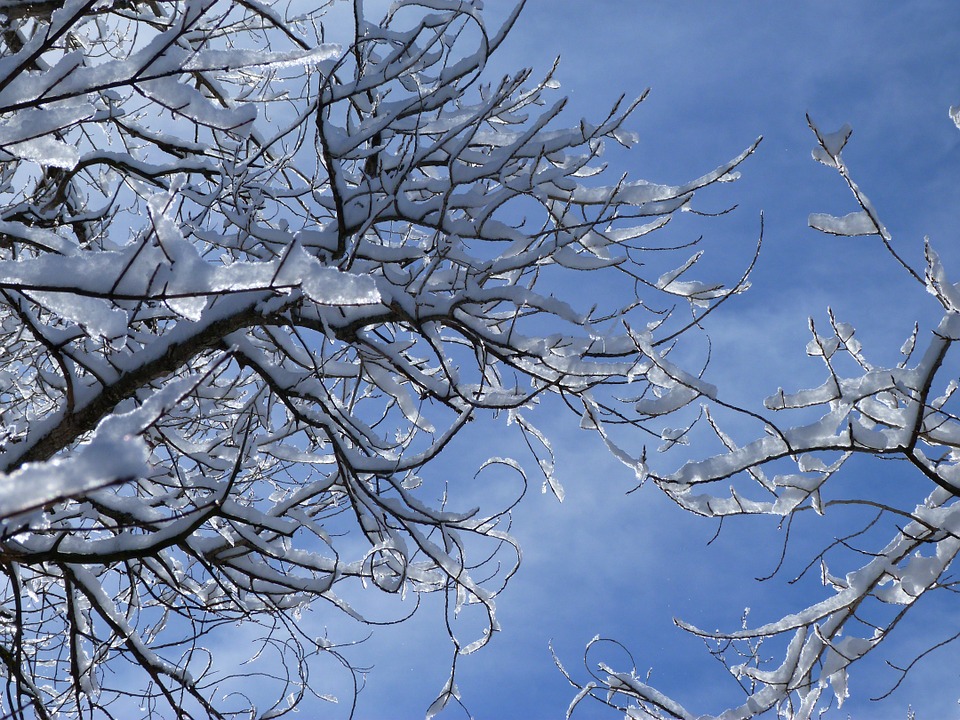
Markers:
{"x": 28, "y": 134}
{"x": 698, "y": 292}
{"x": 937, "y": 282}
{"x": 106, "y": 459}
{"x": 115, "y": 453}
{"x": 852, "y": 225}
{"x": 177, "y": 271}
{"x": 186, "y": 100}
{"x": 673, "y": 387}
{"x": 97, "y": 317}
{"x": 954, "y": 114}
{"x": 238, "y": 58}
{"x": 829, "y": 144}
{"x": 329, "y": 286}
{"x": 39, "y": 237}
{"x": 46, "y": 152}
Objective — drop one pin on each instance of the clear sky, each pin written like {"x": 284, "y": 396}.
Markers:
{"x": 721, "y": 73}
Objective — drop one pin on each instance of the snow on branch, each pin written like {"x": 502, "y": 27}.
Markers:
{"x": 257, "y": 271}
{"x": 905, "y": 412}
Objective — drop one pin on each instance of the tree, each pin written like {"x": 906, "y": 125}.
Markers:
{"x": 899, "y": 547}
{"x": 252, "y": 283}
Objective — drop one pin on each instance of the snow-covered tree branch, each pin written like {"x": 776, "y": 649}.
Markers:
{"x": 873, "y": 572}
{"x": 257, "y": 268}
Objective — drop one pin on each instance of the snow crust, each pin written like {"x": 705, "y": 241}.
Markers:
{"x": 856, "y": 223}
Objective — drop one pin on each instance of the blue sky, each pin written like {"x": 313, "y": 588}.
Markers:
{"x": 721, "y": 74}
